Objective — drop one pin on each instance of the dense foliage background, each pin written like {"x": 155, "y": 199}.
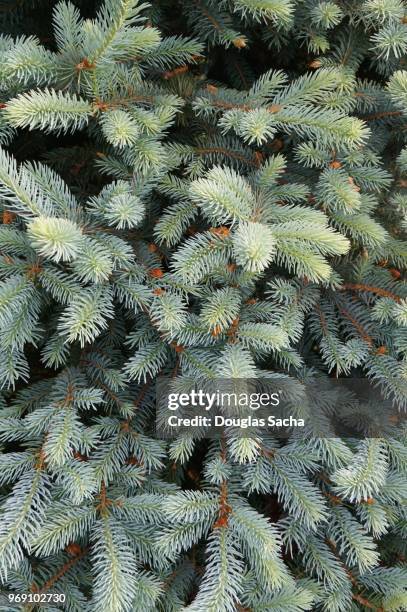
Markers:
{"x": 200, "y": 189}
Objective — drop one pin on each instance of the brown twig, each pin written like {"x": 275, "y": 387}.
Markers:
{"x": 370, "y": 289}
